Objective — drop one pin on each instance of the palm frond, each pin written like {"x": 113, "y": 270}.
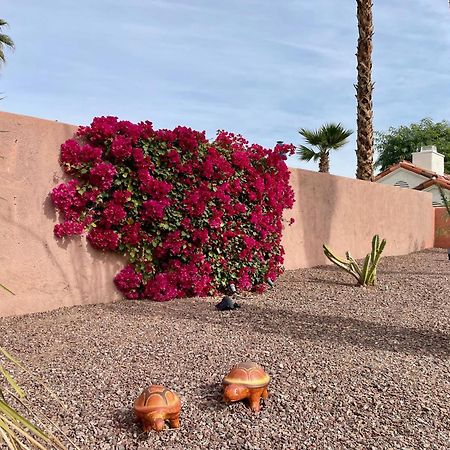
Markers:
{"x": 2, "y": 285}
{"x": 28, "y": 431}
{"x": 312, "y": 137}
{"x": 306, "y": 154}
{"x": 335, "y": 135}
{"x": 6, "y": 40}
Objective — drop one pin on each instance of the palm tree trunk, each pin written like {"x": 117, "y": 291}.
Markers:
{"x": 364, "y": 88}
{"x": 324, "y": 162}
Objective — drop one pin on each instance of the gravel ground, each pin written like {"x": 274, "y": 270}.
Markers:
{"x": 352, "y": 368}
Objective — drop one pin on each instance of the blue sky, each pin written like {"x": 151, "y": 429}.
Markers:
{"x": 261, "y": 68}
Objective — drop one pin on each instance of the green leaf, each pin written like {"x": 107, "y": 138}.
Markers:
{"x": 14, "y": 415}
{"x": 12, "y": 382}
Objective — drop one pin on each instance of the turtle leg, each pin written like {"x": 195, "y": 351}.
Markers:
{"x": 265, "y": 393}
{"x": 147, "y": 426}
{"x": 174, "y": 421}
{"x": 254, "y": 401}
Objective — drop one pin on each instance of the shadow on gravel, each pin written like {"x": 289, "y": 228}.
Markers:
{"x": 124, "y": 419}
{"x": 403, "y": 272}
{"x": 303, "y": 326}
{"x": 209, "y": 397}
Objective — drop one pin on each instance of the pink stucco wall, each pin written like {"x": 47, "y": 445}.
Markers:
{"x": 442, "y": 228}
{"x": 46, "y": 274}
{"x": 345, "y": 214}
{"x": 43, "y": 273}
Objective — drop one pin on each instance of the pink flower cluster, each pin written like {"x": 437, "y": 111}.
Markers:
{"x": 192, "y": 216}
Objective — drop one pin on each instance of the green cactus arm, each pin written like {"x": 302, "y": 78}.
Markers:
{"x": 354, "y": 264}
{"x": 372, "y": 277}
{"x": 375, "y": 244}
{"x": 373, "y": 274}
{"x": 365, "y": 270}
{"x": 334, "y": 259}
{"x": 379, "y": 251}
{"x": 328, "y": 251}
{"x": 340, "y": 263}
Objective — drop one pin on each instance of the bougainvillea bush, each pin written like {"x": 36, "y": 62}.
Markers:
{"x": 192, "y": 216}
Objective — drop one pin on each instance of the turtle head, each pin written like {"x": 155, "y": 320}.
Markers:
{"x": 235, "y": 392}
{"x": 158, "y": 424}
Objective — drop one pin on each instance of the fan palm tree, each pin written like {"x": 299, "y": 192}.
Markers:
{"x": 330, "y": 136}
{"x": 5, "y": 41}
{"x": 364, "y": 88}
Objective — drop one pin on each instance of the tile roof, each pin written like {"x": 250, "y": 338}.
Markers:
{"x": 445, "y": 184}
{"x": 412, "y": 168}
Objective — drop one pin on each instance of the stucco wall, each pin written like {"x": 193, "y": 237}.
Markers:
{"x": 345, "y": 213}
{"x": 46, "y": 274}
{"x": 442, "y": 230}
{"x": 43, "y": 272}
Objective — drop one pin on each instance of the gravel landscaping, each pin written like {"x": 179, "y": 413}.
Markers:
{"x": 351, "y": 368}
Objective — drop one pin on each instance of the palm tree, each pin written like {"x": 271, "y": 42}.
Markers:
{"x": 330, "y": 136}
{"x": 364, "y": 88}
{"x": 5, "y": 41}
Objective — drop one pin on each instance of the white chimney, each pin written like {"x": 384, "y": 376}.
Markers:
{"x": 429, "y": 159}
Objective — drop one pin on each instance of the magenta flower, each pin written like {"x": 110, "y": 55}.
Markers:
{"x": 103, "y": 239}
{"x": 102, "y": 175}
{"x": 193, "y": 215}
{"x": 128, "y": 281}
{"x": 121, "y": 147}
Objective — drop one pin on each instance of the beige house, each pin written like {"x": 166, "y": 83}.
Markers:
{"x": 425, "y": 173}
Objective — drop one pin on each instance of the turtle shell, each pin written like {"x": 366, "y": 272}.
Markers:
{"x": 247, "y": 374}
{"x": 157, "y": 397}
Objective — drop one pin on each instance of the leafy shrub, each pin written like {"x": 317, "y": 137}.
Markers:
{"x": 192, "y": 216}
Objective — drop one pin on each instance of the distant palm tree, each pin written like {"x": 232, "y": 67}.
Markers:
{"x": 330, "y": 136}
{"x": 364, "y": 88}
{"x": 5, "y": 41}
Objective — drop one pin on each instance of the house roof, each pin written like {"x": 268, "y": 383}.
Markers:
{"x": 444, "y": 183}
{"x": 412, "y": 168}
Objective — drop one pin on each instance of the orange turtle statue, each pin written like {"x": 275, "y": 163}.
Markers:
{"x": 155, "y": 405}
{"x": 246, "y": 380}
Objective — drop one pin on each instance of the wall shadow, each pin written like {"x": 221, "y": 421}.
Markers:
{"x": 299, "y": 326}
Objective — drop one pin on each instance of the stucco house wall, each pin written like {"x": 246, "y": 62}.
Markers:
{"x": 411, "y": 179}
{"x": 436, "y": 194}
{"x": 401, "y": 176}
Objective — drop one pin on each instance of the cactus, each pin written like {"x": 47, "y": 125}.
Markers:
{"x": 367, "y": 274}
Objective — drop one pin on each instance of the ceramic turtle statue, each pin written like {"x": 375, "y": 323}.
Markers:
{"x": 155, "y": 405}
{"x": 246, "y": 380}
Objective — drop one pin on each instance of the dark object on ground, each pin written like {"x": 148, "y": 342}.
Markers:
{"x": 227, "y": 304}
{"x": 270, "y": 282}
